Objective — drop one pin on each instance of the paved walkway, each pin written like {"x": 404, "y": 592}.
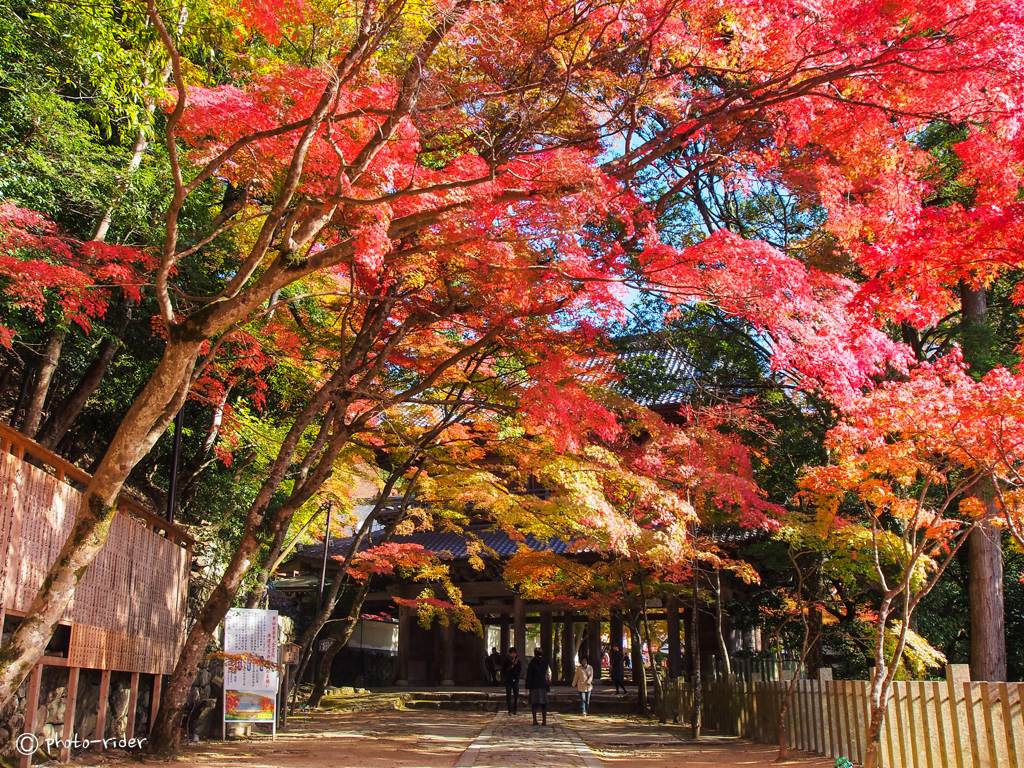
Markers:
{"x": 514, "y": 742}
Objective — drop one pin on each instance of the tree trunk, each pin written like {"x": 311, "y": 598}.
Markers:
{"x": 28, "y": 372}
{"x": 145, "y": 421}
{"x": 698, "y": 694}
{"x": 44, "y": 375}
{"x": 786, "y": 698}
{"x": 341, "y": 635}
{"x": 309, "y": 636}
{"x": 64, "y": 415}
{"x": 723, "y": 649}
{"x": 873, "y": 746}
{"x": 5, "y": 377}
{"x": 985, "y": 588}
{"x": 985, "y": 551}
{"x": 638, "y": 665}
{"x": 276, "y": 555}
{"x": 166, "y": 726}
{"x": 659, "y": 694}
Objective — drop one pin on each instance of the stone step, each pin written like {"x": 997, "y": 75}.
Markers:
{"x": 564, "y": 704}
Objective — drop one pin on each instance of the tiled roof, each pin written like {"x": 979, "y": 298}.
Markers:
{"x": 448, "y": 545}
{"x": 676, "y": 369}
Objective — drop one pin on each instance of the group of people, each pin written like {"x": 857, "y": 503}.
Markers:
{"x": 538, "y": 681}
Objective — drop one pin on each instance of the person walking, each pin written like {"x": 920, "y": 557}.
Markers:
{"x": 538, "y": 682}
{"x": 495, "y": 665}
{"x": 618, "y": 669}
{"x": 511, "y": 671}
{"x": 583, "y": 681}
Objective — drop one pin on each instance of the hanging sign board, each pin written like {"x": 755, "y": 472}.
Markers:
{"x": 250, "y": 691}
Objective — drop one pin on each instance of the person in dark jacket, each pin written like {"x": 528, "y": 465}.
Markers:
{"x": 494, "y": 665}
{"x": 538, "y": 679}
{"x": 511, "y": 671}
{"x": 618, "y": 669}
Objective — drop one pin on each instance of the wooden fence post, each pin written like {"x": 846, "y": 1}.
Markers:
{"x": 69, "y": 714}
{"x": 133, "y": 703}
{"x": 101, "y": 705}
{"x": 824, "y": 713}
{"x": 956, "y": 676}
{"x": 31, "y": 707}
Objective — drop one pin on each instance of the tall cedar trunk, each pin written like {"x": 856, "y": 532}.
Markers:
{"x": 64, "y": 415}
{"x": 985, "y": 552}
{"x": 698, "y": 693}
{"x": 166, "y": 726}
{"x": 341, "y": 635}
{"x": 145, "y": 421}
{"x": 44, "y": 375}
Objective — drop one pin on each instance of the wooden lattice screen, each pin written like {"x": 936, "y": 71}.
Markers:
{"x": 128, "y": 613}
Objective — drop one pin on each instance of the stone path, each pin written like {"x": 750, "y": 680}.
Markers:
{"x": 514, "y": 742}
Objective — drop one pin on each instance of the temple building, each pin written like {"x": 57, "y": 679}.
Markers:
{"x": 446, "y": 656}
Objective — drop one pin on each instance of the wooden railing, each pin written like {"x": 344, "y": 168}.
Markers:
{"x": 953, "y": 723}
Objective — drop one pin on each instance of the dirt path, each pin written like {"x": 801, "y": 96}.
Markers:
{"x": 395, "y": 739}
{"x": 450, "y": 739}
{"x": 620, "y": 742}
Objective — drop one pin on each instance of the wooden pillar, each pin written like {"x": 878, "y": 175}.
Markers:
{"x": 615, "y": 630}
{"x": 101, "y": 705}
{"x": 448, "y": 653}
{"x": 568, "y": 648}
{"x": 672, "y": 623}
{"x": 133, "y": 703}
{"x": 154, "y": 702}
{"x": 519, "y": 631}
{"x": 545, "y": 636}
{"x": 635, "y": 655}
{"x": 69, "y": 715}
{"x": 31, "y": 707}
{"x": 506, "y": 633}
{"x": 404, "y": 630}
{"x": 594, "y": 644}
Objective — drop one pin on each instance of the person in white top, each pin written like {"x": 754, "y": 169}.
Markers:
{"x": 583, "y": 682}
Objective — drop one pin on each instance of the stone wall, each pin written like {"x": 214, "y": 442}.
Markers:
{"x": 205, "y": 705}
{"x": 53, "y": 702}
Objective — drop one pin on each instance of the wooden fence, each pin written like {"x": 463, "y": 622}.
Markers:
{"x": 953, "y": 723}
{"x": 128, "y": 612}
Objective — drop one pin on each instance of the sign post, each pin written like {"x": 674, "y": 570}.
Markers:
{"x": 250, "y": 687}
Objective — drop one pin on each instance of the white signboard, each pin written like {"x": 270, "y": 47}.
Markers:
{"x": 250, "y": 690}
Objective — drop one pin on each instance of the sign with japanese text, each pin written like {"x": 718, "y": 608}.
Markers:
{"x": 250, "y": 687}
